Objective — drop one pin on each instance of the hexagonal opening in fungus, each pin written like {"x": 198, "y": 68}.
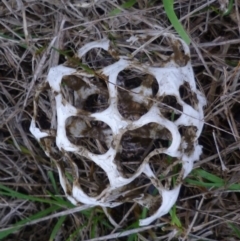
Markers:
{"x": 171, "y": 109}
{"x": 188, "y": 134}
{"x": 95, "y": 136}
{"x": 188, "y": 96}
{"x": 135, "y": 196}
{"x": 168, "y": 170}
{"x": 98, "y": 58}
{"x": 90, "y": 94}
{"x": 91, "y": 177}
{"x": 135, "y": 145}
{"x": 135, "y": 93}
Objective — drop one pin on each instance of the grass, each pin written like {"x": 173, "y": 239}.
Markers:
{"x": 235, "y": 229}
{"x": 125, "y": 5}
{"x": 169, "y": 9}
{"x": 32, "y": 203}
{"x": 202, "y": 178}
{"x": 55, "y": 204}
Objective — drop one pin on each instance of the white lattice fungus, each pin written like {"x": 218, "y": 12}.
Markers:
{"x": 140, "y": 127}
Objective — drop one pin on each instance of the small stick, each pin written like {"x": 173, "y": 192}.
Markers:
{"x": 224, "y": 168}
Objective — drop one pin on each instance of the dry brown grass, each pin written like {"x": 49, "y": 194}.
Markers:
{"x": 28, "y": 31}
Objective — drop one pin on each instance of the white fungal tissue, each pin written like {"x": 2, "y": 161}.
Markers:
{"x": 122, "y": 128}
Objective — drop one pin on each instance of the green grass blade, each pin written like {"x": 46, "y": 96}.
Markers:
{"x": 235, "y": 229}
{"x": 23, "y": 149}
{"x": 61, "y": 202}
{"x": 11, "y": 193}
{"x": 144, "y": 213}
{"x": 213, "y": 181}
{"x": 203, "y": 184}
{"x": 106, "y": 224}
{"x": 222, "y": 184}
{"x": 208, "y": 176}
{"x": 45, "y": 212}
{"x": 125, "y": 5}
{"x": 229, "y": 9}
{"x": 132, "y": 237}
{"x": 234, "y": 187}
{"x": 93, "y": 229}
{"x": 74, "y": 60}
{"x": 74, "y": 235}
{"x": 175, "y": 220}
{"x": 53, "y": 181}
{"x": 168, "y": 7}
{"x": 57, "y": 227}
